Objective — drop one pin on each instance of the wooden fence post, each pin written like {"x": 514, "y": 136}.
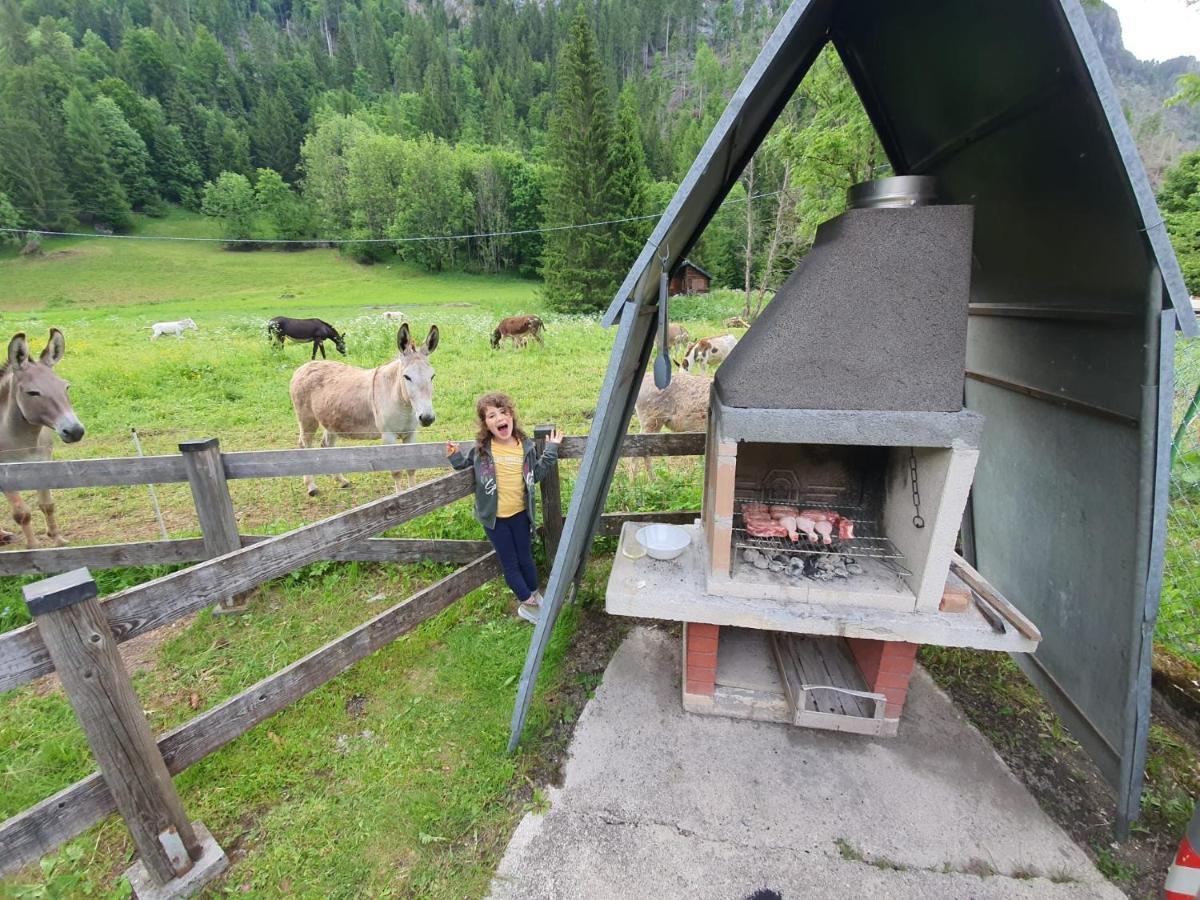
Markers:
{"x": 84, "y": 652}
{"x": 552, "y": 514}
{"x": 214, "y": 506}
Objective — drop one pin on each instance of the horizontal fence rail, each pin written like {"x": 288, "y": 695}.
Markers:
{"x": 52, "y": 560}
{"x": 131, "y": 470}
{"x": 43, "y": 827}
{"x": 148, "y": 606}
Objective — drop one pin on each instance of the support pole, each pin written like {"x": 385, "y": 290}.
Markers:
{"x": 552, "y": 514}
{"x": 214, "y": 506}
{"x": 84, "y": 652}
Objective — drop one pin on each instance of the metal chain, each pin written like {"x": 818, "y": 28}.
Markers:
{"x": 918, "y": 520}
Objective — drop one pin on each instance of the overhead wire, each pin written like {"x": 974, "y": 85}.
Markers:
{"x": 428, "y": 238}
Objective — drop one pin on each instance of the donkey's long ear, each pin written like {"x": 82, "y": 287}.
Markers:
{"x": 18, "y": 351}
{"x": 55, "y": 348}
{"x": 431, "y": 340}
{"x": 403, "y": 338}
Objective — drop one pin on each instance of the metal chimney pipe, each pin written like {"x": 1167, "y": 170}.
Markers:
{"x": 897, "y": 191}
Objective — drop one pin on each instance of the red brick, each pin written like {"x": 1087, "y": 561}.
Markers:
{"x": 894, "y": 695}
{"x": 955, "y": 599}
{"x": 898, "y": 650}
{"x": 701, "y": 644}
{"x": 701, "y": 687}
{"x": 701, "y": 660}
{"x": 867, "y": 655}
{"x": 888, "y": 681}
{"x": 699, "y": 673}
{"x": 701, "y": 629}
{"x": 898, "y": 667}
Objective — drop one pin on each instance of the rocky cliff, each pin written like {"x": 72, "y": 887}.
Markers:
{"x": 1162, "y": 134}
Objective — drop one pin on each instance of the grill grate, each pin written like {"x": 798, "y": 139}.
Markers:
{"x": 868, "y": 542}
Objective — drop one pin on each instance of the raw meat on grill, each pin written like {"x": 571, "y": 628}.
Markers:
{"x": 782, "y": 520}
{"x": 844, "y": 526}
{"x": 759, "y": 521}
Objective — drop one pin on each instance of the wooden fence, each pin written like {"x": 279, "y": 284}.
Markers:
{"x": 230, "y": 564}
{"x": 211, "y": 469}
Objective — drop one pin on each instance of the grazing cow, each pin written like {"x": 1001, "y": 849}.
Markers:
{"x": 388, "y": 401}
{"x": 33, "y": 408}
{"x": 301, "y": 331}
{"x": 681, "y": 406}
{"x": 707, "y": 352}
{"x": 175, "y": 328}
{"x": 516, "y": 326}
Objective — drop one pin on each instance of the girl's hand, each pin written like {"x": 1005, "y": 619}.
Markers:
{"x": 451, "y": 448}
{"x": 555, "y": 437}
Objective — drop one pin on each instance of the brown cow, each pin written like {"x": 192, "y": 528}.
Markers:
{"x": 518, "y": 326}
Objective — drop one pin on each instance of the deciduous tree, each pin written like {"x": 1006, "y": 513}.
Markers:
{"x": 230, "y": 200}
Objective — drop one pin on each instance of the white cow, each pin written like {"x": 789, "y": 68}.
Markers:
{"x": 175, "y": 328}
{"x": 707, "y": 352}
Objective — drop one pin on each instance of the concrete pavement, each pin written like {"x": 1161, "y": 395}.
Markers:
{"x": 659, "y": 803}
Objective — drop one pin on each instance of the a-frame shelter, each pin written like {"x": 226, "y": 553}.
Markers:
{"x": 1076, "y": 297}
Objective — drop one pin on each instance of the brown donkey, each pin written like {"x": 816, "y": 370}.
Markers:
{"x": 388, "y": 401}
{"x": 33, "y": 406}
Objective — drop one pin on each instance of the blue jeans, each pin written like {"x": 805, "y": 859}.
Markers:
{"x": 513, "y": 540}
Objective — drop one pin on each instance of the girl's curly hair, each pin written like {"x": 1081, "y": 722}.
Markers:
{"x": 495, "y": 400}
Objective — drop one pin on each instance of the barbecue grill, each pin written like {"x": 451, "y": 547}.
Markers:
{"x": 845, "y": 396}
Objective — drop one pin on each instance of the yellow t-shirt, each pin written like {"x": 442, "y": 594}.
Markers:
{"x": 509, "y": 483}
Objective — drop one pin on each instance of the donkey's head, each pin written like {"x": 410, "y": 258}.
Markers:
{"x": 416, "y": 383}
{"x": 40, "y": 395}
{"x": 339, "y": 341}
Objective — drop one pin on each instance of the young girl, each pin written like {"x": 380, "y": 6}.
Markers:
{"x": 506, "y": 469}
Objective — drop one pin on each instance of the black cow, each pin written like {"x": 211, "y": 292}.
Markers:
{"x": 304, "y": 330}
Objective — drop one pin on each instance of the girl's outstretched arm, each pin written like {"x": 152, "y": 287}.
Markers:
{"x": 549, "y": 457}
{"x": 458, "y": 459}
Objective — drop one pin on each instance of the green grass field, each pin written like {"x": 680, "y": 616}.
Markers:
{"x": 392, "y": 779}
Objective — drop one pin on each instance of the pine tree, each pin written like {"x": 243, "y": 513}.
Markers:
{"x": 630, "y": 180}
{"x": 96, "y": 187}
{"x": 275, "y": 135}
{"x": 29, "y": 172}
{"x": 579, "y": 266}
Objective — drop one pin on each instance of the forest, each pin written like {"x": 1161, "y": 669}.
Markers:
{"x": 462, "y": 136}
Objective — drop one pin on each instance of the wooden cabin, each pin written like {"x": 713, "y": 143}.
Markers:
{"x": 689, "y": 278}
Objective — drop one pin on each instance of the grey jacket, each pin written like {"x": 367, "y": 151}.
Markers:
{"x": 533, "y": 470}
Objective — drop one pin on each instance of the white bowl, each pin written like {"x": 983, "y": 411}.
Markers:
{"x": 664, "y": 541}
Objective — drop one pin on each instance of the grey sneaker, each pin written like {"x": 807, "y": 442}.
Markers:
{"x": 528, "y": 611}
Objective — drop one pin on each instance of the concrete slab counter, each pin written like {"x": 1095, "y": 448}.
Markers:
{"x": 800, "y": 662}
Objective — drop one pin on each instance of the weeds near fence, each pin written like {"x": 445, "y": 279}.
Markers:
{"x": 1178, "y": 624}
